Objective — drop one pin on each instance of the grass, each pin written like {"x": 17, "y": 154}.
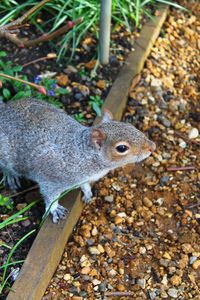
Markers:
{"x": 126, "y": 12}
{"x": 17, "y": 217}
{"x": 8, "y": 263}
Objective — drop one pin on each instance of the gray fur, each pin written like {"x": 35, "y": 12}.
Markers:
{"x": 44, "y": 144}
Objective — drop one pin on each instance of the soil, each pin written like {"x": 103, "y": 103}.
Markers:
{"x": 143, "y": 241}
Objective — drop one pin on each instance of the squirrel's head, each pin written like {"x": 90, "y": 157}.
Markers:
{"x": 120, "y": 143}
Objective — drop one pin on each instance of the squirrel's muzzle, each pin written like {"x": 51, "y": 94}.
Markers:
{"x": 149, "y": 146}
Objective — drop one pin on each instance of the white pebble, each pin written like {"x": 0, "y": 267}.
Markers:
{"x": 193, "y": 134}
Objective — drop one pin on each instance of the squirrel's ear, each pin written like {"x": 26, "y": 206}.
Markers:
{"x": 98, "y": 137}
{"x": 107, "y": 116}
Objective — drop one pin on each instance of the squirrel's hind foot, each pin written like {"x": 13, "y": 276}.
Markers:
{"x": 59, "y": 213}
{"x": 12, "y": 182}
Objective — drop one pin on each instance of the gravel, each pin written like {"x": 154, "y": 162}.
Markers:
{"x": 144, "y": 228}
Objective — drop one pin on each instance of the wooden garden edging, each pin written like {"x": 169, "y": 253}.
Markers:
{"x": 47, "y": 249}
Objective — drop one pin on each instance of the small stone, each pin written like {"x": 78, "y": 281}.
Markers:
{"x": 21, "y": 206}
{"x": 85, "y": 270}
{"x": 192, "y": 259}
{"x": 26, "y": 223}
{"x": 94, "y": 250}
{"x": 102, "y": 287}
{"x": 121, "y": 271}
{"x": 164, "y": 280}
{"x": 121, "y": 288}
{"x": 116, "y": 187}
{"x": 175, "y": 280}
{"x": 196, "y": 264}
{"x": 142, "y": 282}
{"x": 166, "y": 255}
{"x": 122, "y": 215}
{"x": 94, "y": 231}
{"x": 70, "y": 69}
{"x": 156, "y": 82}
{"x": 164, "y": 180}
{"x": 67, "y": 277}
{"x": 96, "y": 282}
{"x": 109, "y": 198}
{"x": 118, "y": 220}
{"x": 182, "y": 144}
{"x": 173, "y": 293}
{"x": 101, "y": 84}
{"x": 187, "y": 248}
{"x": 62, "y": 80}
{"x": 147, "y": 202}
{"x": 193, "y": 134}
{"x": 100, "y": 248}
{"x": 164, "y": 121}
{"x": 112, "y": 273}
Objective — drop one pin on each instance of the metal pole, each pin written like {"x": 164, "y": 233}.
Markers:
{"x": 105, "y": 24}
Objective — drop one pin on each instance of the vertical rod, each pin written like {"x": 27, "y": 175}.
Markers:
{"x": 105, "y": 24}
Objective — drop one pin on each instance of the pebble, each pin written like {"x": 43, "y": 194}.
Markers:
{"x": 102, "y": 286}
{"x": 175, "y": 280}
{"x": 192, "y": 259}
{"x": 164, "y": 180}
{"x": 121, "y": 288}
{"x": 85, "y": 270}
{"x": 96, "y": 282}
{"x": 173, "y": 293}
{"x": 164, "y": 121}
{"x": 112, "y": 273}
{"x": 142, "y": 282}
{"x": 182, "y": 144}
{"x": 147, "y": 202}
{"x": 26, "y": 223}
{"x": 116, "y": 186}
{"x": 94, "y": 250}
{"x": 94, "y": 231}
{"x": 193, "y": 133}
{"x": 100, "y": 248}
{"x": 109, "y": 198}
{"x": 67, "y": 277}
{"x": 196, "y": 264}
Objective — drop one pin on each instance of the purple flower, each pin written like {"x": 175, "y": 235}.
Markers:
{"x": 37, "y": 79}
{"x": 50, "y": 93}
{"x": 54, "y": 86}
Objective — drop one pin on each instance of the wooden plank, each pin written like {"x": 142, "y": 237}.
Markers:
{"x": 49, "y": 244}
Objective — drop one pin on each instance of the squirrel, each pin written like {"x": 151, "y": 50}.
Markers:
{"x": 42, "y": 143}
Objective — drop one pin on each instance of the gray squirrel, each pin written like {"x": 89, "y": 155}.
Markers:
{"x": 44, "y": 144}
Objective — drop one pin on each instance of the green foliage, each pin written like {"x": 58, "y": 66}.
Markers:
{"x": 127, "y": 12}
{"x": 79, "y": 117}
{"x": 95, "y": 103}
{"x": 5, "y": 277}
{"x": 18, "y": 90}
{"x": 6, "y": 203}
{"x": 17, "y": 217}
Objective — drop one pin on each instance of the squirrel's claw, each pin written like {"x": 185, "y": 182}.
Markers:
{"x": 59, "y": 213}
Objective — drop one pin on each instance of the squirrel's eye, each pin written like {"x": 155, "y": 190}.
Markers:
{"x": 122, "y": 148}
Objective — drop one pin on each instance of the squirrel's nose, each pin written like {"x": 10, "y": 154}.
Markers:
{"x": 150, "y": 146}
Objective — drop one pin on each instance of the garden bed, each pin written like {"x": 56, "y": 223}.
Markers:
{"x": 63, "y": 228}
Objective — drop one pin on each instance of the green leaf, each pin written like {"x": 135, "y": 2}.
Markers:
{"x": 6, "y": 94}
{"x": 3, "y": 54}
{"x": 17, "y": 68}
{"x": 96, "y": 109}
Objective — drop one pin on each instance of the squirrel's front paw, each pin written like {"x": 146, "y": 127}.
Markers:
{"x": 59, "y": 213}
{"x": 87, "y": 198}
{"x": 87, "y": 192}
